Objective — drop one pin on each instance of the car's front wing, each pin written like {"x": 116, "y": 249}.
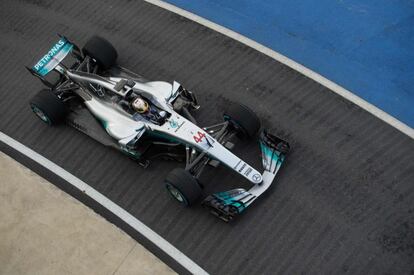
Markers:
{"x": 228, "y": 204}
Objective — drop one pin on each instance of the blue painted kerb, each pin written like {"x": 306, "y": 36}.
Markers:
{"x": 365, "y": 46}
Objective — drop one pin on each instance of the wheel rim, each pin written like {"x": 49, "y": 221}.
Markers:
{"x": 40, "y": 114}
{"x": 176, "y": 194}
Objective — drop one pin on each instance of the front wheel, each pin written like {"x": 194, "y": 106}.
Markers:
{"x": 244, "y": 120}
{"x": 48, "y": 107}
{"x": 183, "y": 187}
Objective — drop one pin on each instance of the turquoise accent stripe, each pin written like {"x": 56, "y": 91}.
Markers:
{"x": 271, "y": 158}
{"x": 269, "y": 152}
{"x": 227, "y": 198}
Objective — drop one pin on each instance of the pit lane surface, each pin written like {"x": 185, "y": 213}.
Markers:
{"x": 342, "y": 203}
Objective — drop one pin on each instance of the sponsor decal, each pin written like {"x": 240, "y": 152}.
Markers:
{"x": 248, "y": 171}
{"x": 47, "y": 57}
{"x": 256, "y": 177}
{"x": 179, "y": 126}
{"x": 242, "y": 168}
{"x": 235, "y": 167}
{"x": 173, "y": 123}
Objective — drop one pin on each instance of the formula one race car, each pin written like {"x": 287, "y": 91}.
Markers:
{"x": 150, "y": 119}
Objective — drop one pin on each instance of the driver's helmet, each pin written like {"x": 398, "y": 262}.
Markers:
{"x": 140, "y": 105}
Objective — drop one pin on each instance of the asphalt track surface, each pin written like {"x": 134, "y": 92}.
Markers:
{"x": 344, "y": 201}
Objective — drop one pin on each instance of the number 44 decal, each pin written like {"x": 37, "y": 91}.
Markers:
{"x": 199, "y": 137}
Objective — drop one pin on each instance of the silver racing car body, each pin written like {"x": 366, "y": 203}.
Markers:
{"x": 95, "y": 96}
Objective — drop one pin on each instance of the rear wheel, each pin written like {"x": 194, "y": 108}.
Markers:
{"x": 243, "y": 119}
{"x": 183, "y": 187}
{"x": 48, "y": 107}
{"x": 101, "y": 50}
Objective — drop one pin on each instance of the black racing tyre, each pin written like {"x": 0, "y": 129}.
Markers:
{"x": 243, "y": 119}
{"x": 182, "y": 186}
{"x": 48, "y": 107}
{"x": 101, "y": 50}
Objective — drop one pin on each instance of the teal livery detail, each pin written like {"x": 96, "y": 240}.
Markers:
{"x": 228, "y": 204}
{"x": 173, "y": 123}
{"x": 274, "y": 151}
{"x": 231, "y": 198}
{"x": 271, "y": 158}
{"x": 104, "y": 123}
{"x": 54, "y": 56}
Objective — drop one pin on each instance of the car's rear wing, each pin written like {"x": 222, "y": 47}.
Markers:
{"x": 53, "y": 57}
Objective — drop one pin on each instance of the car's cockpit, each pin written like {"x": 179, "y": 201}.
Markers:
{"x": 153, "y": 113}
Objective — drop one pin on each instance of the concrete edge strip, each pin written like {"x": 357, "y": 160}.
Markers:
{"x": 144, "y": 230}
{"x": 292, "y": 64}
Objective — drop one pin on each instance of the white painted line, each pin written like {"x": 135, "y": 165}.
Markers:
{"x": 292, "y": 64}
{"x": 144, "y": 230}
